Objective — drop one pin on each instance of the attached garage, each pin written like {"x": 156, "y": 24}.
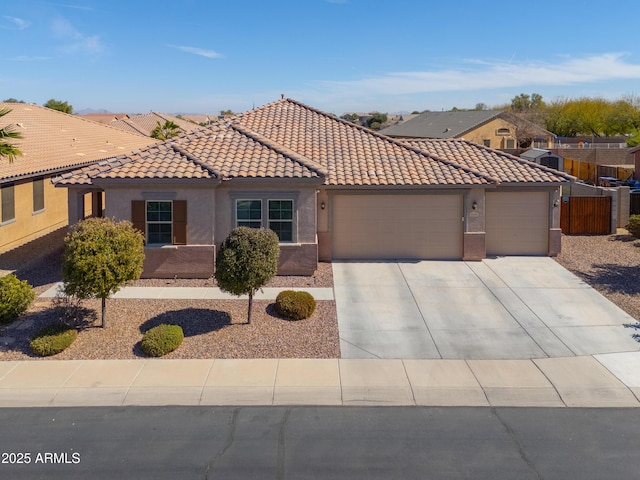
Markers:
{"x": 397, "y": 226}
{"x": 517, "y": 223}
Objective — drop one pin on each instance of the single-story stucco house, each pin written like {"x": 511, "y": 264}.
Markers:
{"x": 329, "y": 188}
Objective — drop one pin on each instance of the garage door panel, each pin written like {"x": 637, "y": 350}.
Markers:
{"x": 517, "y": 223}
{"x": 397, "y": 226}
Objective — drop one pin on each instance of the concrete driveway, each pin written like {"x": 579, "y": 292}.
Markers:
{"x": 502, "y": 308}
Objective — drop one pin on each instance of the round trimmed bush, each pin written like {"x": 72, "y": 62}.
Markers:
{"x": 160, "y": 340}
{"x": 295, "y": 305}
{"x": 15, "y": 297}
{"x": 634, "y": 225}
{"x": 53, "y": 340}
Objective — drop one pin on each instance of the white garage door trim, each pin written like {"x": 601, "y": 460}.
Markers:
{"x": 517, "y": 223}
{"x": 397, "y": 226}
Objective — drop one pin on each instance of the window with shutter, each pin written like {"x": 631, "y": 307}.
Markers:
{"x": 163, "y": 222}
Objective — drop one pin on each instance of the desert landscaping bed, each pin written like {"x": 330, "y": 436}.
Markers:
{"x": 609, "y": 263}
{"x": 212, "y": 328}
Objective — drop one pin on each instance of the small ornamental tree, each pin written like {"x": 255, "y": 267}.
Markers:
{"x": 165, "y": 131}
{"x": 247, "y": 260}
{"x": 100, "y": 256}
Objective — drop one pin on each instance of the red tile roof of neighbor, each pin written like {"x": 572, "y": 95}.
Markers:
{"x": 54, "y": 141}
{"x": 287, "y": 139}
{"x": 145, "y": 123}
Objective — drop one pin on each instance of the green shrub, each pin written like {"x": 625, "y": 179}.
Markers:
{"x": 160, "y": 340}
{"x": 53, "y": 340}
{"x": 634, "y": 225}
{"x": 15, "y": 297}
{"x": 295, "y": 305}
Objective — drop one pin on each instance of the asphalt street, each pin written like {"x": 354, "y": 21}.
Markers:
{"x": 319, "y": 443}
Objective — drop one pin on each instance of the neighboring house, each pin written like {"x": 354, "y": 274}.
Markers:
{"x": 202, "y": 119}
{"x": 103, "y": 118}
{"x": 53, "y": 142}
{"x": 491, "y": 128}
{"x": 544, "y": 157}
{"x": 330, "y": 190}
{"x": 145, "y": 123}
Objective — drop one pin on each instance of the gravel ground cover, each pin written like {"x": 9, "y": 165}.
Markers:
{"x": 609, "y": 263}
{"x": 212, "y": 328}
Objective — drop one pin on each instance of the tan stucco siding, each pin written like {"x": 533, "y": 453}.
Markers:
{"x": 304, "y": 198}
{"x": 489, "y": 131}
{"x": 200, "y": 206}
{"x": 29, "y": 225}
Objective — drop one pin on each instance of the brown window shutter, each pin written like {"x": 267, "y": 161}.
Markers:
{"x": 139, "y": 215}
{"x": 179, "y": 222}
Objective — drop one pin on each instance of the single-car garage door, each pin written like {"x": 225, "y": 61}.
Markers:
{"x": 397, "y": 226}
{"x": 517, "y": 223}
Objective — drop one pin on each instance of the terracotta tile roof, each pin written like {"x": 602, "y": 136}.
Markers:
{"x": 287, "y": 139}
{"x": 200, "y": 118}
{"x": 221, "y": 151}
{"x": 145, "y": 123}
{"x": 53, "y": 141}
{"x": 501, "y": 166}
{"x": 352, "y": 155}
{"x": 103, "y": 118}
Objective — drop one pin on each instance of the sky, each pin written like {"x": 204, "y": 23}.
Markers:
{"x": 203, "y": 56}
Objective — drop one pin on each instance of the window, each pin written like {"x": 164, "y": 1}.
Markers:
{"x": 281, "y": 219}
{"x": 511, "y": 143}
{"x": 278, "y": 216}
{"x": 486, "y": 142}
{"x": 503, "y": 131}
{"x": 159, "y": 222}
{"x": 8, "y": 203}
{"x": 38, "y": 194}
{"x": 163, "y": 222}
{"x": 249, "y": 213}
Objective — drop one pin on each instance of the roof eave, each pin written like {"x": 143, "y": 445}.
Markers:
{"x": 163, "y": 181}
{"x": 49, "y": 171}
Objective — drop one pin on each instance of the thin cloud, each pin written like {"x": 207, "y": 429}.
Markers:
{"x": 75, "y": 7}
{"x": 74, "y": 41}
{"x": 17, "y": 23}
{"x": 481, "y": 75}
{"x": 198, "y": 51}
{"x": 25, "y": 58}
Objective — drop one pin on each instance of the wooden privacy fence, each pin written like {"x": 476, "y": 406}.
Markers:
{"x": 586, "y": 215}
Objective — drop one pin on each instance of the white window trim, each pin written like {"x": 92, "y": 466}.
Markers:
{"x": 249, "y": 200}
{"x": 293, "y": 214}
{"x": 2, "y": 189}
{"x": 33, "y": 186}
{"x": 264, "y": 213}
{"x": 147, "y": 222}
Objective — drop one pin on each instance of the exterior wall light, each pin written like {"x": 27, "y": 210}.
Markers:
{"x": 323, "y": 205}
{"x": 474, "y": 205}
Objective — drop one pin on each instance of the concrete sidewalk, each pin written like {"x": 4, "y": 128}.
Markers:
{"x": 610, "y": 380}
{"x": 198, "y": 293}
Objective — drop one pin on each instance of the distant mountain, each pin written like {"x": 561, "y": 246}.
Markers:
{"x": 91, "y": 110}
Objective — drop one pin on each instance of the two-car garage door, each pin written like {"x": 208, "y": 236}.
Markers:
{"x": 397, "y": 226}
